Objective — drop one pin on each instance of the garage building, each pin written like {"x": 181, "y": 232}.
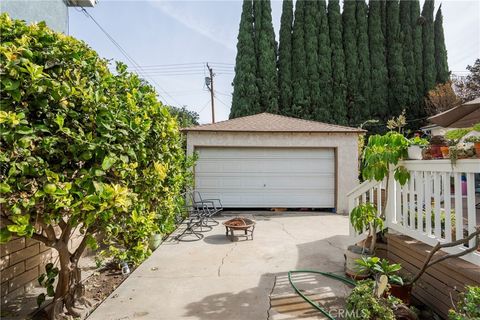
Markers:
{"x": 272, "y": 161}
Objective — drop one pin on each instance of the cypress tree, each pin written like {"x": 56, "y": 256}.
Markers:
{"x": 285, "y": 58}
{"x": 417, "y": 52}
{"x": 383, "y": 16}
{"x": 245, "y": 99}
{"x": 339, "y": 110}
{"x": 429, "y": 72}
{"x": 311, "y": 54}
{"x": 364, "y": 68}
{"x": 266, "y": 54}
{"x": 396, "y": 70}
{"x": 376, "y": 41}
{"x": 441, "y": 64}
{"x": 299, "y": 65}
{"x": 324, "y": 112}
{"x": 351, "y": 59}
{"x": 408, "y": 56}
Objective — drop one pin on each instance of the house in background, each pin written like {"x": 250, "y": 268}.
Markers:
{"x": 53, "y": 12}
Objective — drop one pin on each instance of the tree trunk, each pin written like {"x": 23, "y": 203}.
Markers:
{"x": 69, "y": 289}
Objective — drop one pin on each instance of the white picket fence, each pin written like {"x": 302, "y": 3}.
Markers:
{"x": 420, "y": 208}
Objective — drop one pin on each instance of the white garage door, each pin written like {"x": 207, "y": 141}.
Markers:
{"x": 267, "y": 177}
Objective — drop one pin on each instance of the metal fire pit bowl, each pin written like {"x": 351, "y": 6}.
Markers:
{"x": 239, "y": 223}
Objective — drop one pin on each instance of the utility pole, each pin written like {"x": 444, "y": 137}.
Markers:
{"x": 209, "y": 83}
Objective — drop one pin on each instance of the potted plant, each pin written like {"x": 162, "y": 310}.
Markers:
{"x": 367, "y": 302}
{"x": 415, "y": 148}
{"x": 436, "y": 143}
{"x": 363, "y": 217}
{"x": 454, "y": 150}
{"x": 378, "y": 267}
{"x": 476, "y": 142}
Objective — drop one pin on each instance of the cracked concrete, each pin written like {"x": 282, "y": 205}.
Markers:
{"x": 223, "y": 260}
{"x": 215, "y": 279}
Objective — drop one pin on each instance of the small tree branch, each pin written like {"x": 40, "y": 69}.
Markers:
{"x": 428, "y": 263}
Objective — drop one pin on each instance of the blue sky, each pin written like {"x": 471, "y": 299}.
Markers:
{"x": 185, "y": 34}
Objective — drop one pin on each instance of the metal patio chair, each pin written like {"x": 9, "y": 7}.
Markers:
{"x": 213, "y": 206}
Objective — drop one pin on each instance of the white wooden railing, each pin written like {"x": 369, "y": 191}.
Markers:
{"x": 420, "y": 208}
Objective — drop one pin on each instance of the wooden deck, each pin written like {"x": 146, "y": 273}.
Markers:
{"x": 440, "y": 286}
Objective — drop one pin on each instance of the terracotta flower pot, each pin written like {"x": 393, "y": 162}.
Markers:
{"x": 445, "y": 152}
{"x": 477, "y": 149}
{"x": 436, "y": 152}
{"x": 403, "y": 293}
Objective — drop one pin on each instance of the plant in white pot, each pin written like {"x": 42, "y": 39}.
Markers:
{"x": 415, "y": 148}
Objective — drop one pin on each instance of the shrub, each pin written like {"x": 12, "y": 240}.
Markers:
{"x": 362, "y": 303}
{"x": 82, "y": 149}
{"x": 468, "y": 307}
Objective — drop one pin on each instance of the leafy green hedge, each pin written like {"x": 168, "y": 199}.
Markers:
{"x": 83, "y": 147}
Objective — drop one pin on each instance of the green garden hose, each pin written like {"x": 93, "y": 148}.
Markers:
{"x": 326, "y": 274}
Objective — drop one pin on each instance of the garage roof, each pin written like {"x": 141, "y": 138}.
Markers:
{"x": 267, "y": 122}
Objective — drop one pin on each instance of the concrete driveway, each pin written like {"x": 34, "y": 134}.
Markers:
{"x": 215, "y": 279}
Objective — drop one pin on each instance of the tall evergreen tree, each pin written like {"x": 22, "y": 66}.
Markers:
{"x": 383, "y": 16}
{"x": 351, "y": 59}
{"x": 417, "y": 51}
{"x": 429, "y": 72}
{"x": 311, "y": 54}
{"x": 408, "y": 56}
{"x": 324, "y": 112}
{"x": 441, "y": 64}
{"x": 266, "y": 53}
{"x": 245, "y": 99}
{"x": 339, "y": 109}
{"x": 396, "y": 70}
{"x": 285, "y": 58}
{"x": 299, "y": 65}
{"x": 364, "y": 68}
{"x": 379, "y": 74}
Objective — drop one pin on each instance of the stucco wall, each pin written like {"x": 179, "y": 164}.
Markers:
{"x": 53, "y": 12}
{"x": 345, "y": 143}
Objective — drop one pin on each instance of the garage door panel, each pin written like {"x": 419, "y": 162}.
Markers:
{"x": 267, "y": 177}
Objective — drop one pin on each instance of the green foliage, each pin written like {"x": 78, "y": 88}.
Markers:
{"x": 364, "y": 110}
{"x": 397, "y": 90}
{"x": 324, "y": 112}
{"x": 47, "y": 280}
{"x": 299, "y": 63}
{"x": 377, "y": 267}
{"x": 364, "y": 216}
{"x": 245, "y": 98}
{"x": 266, "y": 55}
{"x": 455, "y": 135}
{"x": 339, "y": 107}
{"x": 382, "y": 152}
{"x": 311, "y": 55}
{"x": 362, "y": 304}
{"x": 468, "y": 307}
{"x": 417, "y": 141}
{"x": 349, "y": 28}
{"x": 82, "y": 147}
{"x": 411, "y": 100}
{"x": 417, "y": 43}
{"x": 185, "y": 118}
{"x": 429, "y": 72}
{"x": 441, "y": 63}
{"x": 378, "y": 97}
{"x": 285, "y": 58}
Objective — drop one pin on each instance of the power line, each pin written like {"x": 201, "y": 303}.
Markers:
{"x": 127, "y": 56}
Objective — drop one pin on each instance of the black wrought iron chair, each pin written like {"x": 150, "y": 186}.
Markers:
{"x": 213, "y": 206}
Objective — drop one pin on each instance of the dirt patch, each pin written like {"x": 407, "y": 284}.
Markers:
{"x": 101, "y": 284}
